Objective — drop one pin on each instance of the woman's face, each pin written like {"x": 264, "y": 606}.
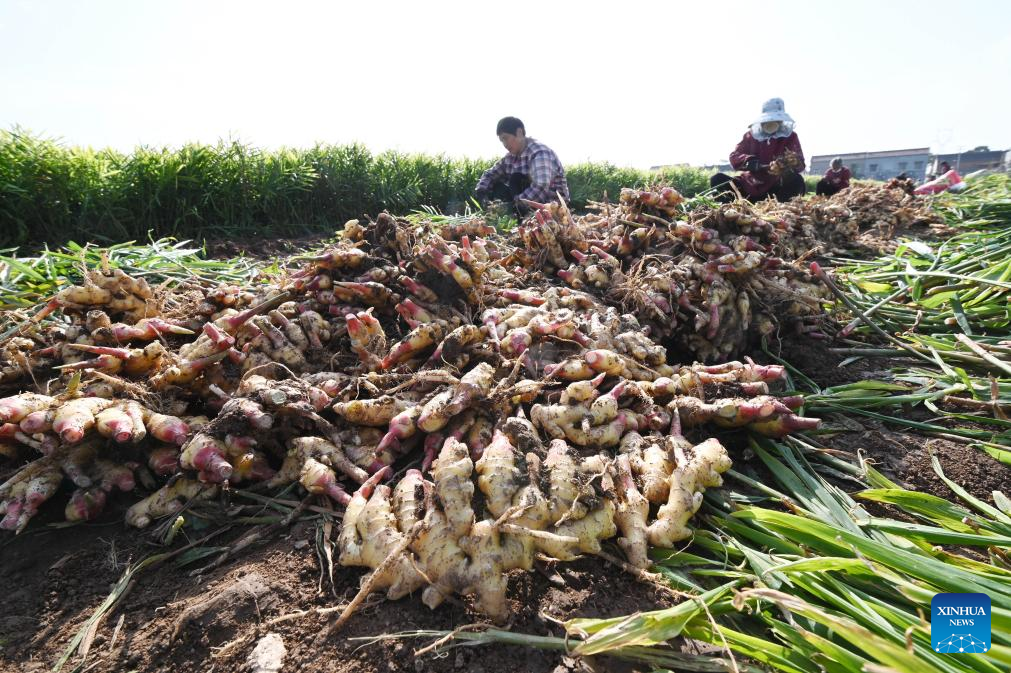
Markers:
{"x": 770, "y": 127}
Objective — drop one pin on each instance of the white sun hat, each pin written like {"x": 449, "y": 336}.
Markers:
{"x": 774, "y": 110}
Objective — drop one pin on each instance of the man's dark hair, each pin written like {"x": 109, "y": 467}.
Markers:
{"x": 945, "y": 163}
{"x": 509, "y": 125}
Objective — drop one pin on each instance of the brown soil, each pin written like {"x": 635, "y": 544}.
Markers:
{"x": 264, "y": 248}
{"x": 57, "y": 578}
{"x": 173, "y": 620}
{"x": 901, "y": 454}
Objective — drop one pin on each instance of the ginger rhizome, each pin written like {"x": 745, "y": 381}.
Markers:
{"x": 523, "y": 382}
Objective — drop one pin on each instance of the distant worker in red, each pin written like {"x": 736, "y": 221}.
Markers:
{"x": 770, "y": 157}
{"x": 531, "y": 171}
{"x": 948, "y": 181}
{"x": 837, "y": 178}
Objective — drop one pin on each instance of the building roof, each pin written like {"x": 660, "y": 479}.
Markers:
{"x": 995, "y": 155}
{"x": 872, "y": 155}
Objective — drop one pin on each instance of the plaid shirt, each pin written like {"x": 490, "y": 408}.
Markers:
{"x": 538, "y": 162}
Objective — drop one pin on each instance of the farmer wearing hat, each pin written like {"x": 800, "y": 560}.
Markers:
{"x": 770, "y": 158}
{"x": 837, "y": 178}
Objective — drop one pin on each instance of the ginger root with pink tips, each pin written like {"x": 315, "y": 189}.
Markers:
{"x": 125, "y": 421}
{"x": 454, "y": 551}
{"x": 453, "y": 349}
{"x": 87, "y": 504}
{"x": 112, "y": 290}
{"x": 75, "y": 418}
{"x": 302, "y": 449}
{"x": 630, "y": 516}
{"x": 147, "y": 329}
{"x": 368, "y": 340}
{"x": 698, "y": 468}
{"x": 23, "y": 494}
{"x": 586, "y": 418}
{"x": 766, "y": 415}
{"x": 339, "y": 258}
{"x": 416, "y": 342}
{"x": 318, "y": 478}
{"x": 369, "y": 533}
{"x": 168, "y": 500}
{"x": 475, "y": 385}
{"x": 377, "y": 412}
{"x": 206, "y": 455}
{"x": 615, "y": 364}
{"x": 652, "y": 462}
{"x": 122, "y": 422}
{"x": 16, "y": 407}
{"x": 130, "y": 361}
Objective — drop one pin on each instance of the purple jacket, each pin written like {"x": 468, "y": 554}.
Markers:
{"x": 838, "y": 178}
{"x": 759, "y": 183}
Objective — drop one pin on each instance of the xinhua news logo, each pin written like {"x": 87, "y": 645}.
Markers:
{"x": 960, "y": 623}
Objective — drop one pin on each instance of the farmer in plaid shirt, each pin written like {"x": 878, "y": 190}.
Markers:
{"x": 530, "y": 171}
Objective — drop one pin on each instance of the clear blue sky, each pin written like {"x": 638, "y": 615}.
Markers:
{"x": 634, "y": 83}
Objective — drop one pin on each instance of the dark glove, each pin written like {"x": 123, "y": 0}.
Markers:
{"x": 752, "y": 165}
{"x": 521, "y": 209}
{"x": 482, "y": 196}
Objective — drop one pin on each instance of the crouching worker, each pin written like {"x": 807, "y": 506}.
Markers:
{"x": 770, "y": 157}
{"x": 948, "y": 181}
{"x": 530, "y": 172}
{"x": 837, "y": 178}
